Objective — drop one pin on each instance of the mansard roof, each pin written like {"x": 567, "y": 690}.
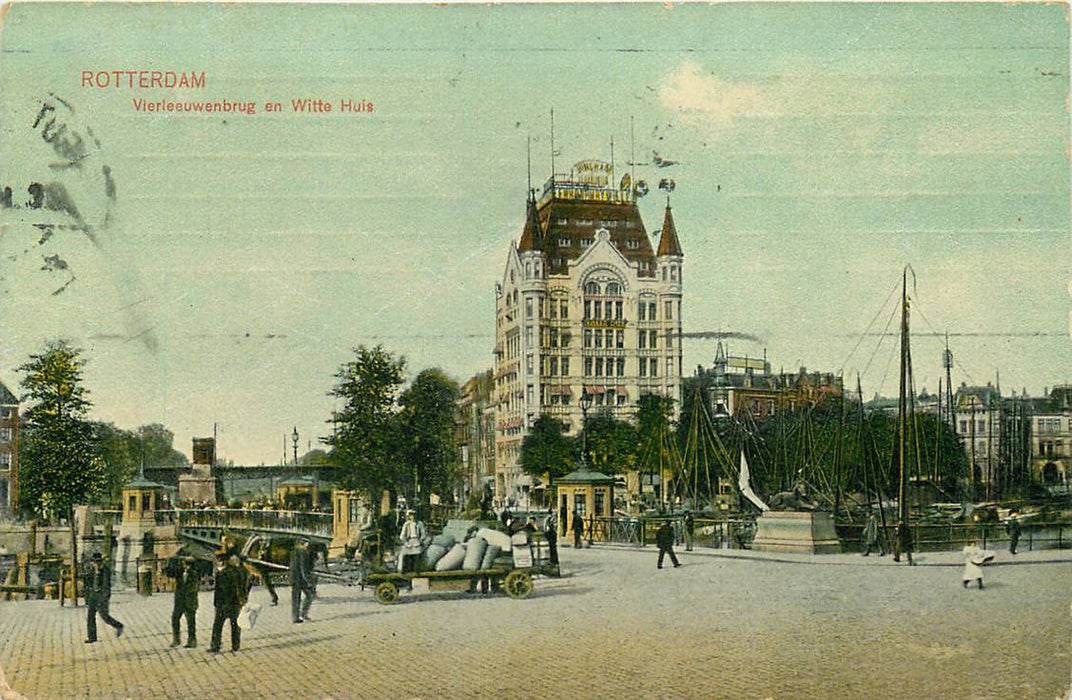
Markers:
{"x": 669, "y": 243}
{"x": 563, "y": 225}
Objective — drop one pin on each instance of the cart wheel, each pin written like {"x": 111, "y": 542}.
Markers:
{"x": 387, "y": 593}
{"x": 518, "y": 584}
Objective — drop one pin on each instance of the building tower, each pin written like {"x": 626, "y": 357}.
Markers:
{"x": 585, "y": 305}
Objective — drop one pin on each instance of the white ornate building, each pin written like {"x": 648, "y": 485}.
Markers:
{"x": 585, "y": 304}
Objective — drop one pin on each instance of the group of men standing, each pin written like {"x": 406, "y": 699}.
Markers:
{"x": 233, "y": 581}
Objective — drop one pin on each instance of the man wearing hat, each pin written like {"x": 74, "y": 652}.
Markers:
{"x": 301, "y": 581}
{"x": 98, "y": 589}
{"x": 232, "y": 589}
{"x": 690, "y": 529}
{"x": 187, "y": 582}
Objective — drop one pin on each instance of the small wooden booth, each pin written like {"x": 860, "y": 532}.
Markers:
{"x": 587, "y": 494}
{"x": 141, "y": 499}
{"x": 298, "y": 492}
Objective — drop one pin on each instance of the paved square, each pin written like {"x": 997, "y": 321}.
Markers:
{"x": 716, "y": 628}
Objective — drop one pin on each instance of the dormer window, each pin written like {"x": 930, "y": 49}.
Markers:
{"x": 632, "y": 244}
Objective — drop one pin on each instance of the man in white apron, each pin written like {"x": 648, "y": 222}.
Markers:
{"x": 412, "y": 538}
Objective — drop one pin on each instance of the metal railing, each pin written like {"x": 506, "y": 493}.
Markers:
{"x": 268, "y": 520}
{"x": 720, "y": 533}
{"x": 944, "y": 537}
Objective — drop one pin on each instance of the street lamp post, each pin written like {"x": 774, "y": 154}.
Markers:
{"x": 294, "y": 437}
{"x": 586, "y": 403}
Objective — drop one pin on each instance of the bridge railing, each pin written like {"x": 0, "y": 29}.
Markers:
{"x": 243, "y": 518}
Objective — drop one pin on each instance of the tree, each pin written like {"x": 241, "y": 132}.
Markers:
{"x": 124, "y": 452}
{"x": 365, "y": 445}
{"x": 426, "y": 424}
{"x": 611, "y": 443}
{"x": 61, "y": 466}
{"x": 547, "y": 449}
{"x": 119, "y": 451}
{"x": 315, "y": 458}
{"x": 157, "y": 446}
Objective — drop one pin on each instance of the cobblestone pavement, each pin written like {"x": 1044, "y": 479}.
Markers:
{"x": 716, "y": 628}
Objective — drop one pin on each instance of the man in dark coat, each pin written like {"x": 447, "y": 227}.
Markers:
{"x": 97, "y": 582}
{"x": 301, "y": 581}
{"x": 664, "y": 537}
{"x": 550, "y": 532}
{"x": 577, "y": 526}
{"x": 232, "y": 589}
{"x": 1012, "y": 527}
{"x": 187, "y": 582}
{"x": 690, "y": 530}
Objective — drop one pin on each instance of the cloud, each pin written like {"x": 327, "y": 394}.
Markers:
{"x": 703, "y": 100}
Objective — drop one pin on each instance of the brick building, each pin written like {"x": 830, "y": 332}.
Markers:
{"x": 9, "y": 453}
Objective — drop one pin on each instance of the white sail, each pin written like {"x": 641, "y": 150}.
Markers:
{"x": 746, "y": 488}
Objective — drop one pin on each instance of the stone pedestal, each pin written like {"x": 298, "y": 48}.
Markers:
{"x": 802, "y": 532}
{"x": 197, "y": 487}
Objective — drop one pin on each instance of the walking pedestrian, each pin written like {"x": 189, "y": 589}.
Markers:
{"x": 1012, "y": 527}
{"x": 187, "y": 583}
{"x": 232, "y": 591}
{"x": 301, "y": 584}
{"x": 690, "y": 529}
{"x": 97, "y": 583}
{"x": 871, "y": 536}
{"x": 664, "y": 538}
{"x": 577, "y": 526}
{"x": 974, "y": 558}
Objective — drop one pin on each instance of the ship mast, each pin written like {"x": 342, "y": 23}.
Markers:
{"x": 904, "y": 541}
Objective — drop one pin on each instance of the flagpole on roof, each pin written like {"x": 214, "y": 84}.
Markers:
{"x": 632, "y": 158}
{"x": 552, "y": 148}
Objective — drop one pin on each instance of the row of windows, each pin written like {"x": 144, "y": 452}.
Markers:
{"x": 599, "y": 309}
{"x": 608, "y": 399}
{"x": 563, "y": 221}
{"x": 593, "y": 310}
{"x": 1051, "y": 425}
{"x": 965, "y": 427}
{"x": 555, "y": 339}
{"x": 613, "y": 289}
{"x": 556, "y": 368}
{"x": 597, "y": 367}
{"x": 596, "y": 338}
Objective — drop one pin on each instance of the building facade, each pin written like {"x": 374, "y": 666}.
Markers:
{"x": 475, "y": 434}
{"x": 742, "y": 386}
{"x": 586, "y": 304}
{"x": 1051, "y": 438}
{"x": 9, "y": 453}
{"x": 978, "y": 424}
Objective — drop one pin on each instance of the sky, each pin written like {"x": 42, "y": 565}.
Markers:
{"x": 221, "y": 267}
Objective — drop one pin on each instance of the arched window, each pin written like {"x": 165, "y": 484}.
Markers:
{"x": 614, "y": 289}
{"x": 591, "y": 288}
